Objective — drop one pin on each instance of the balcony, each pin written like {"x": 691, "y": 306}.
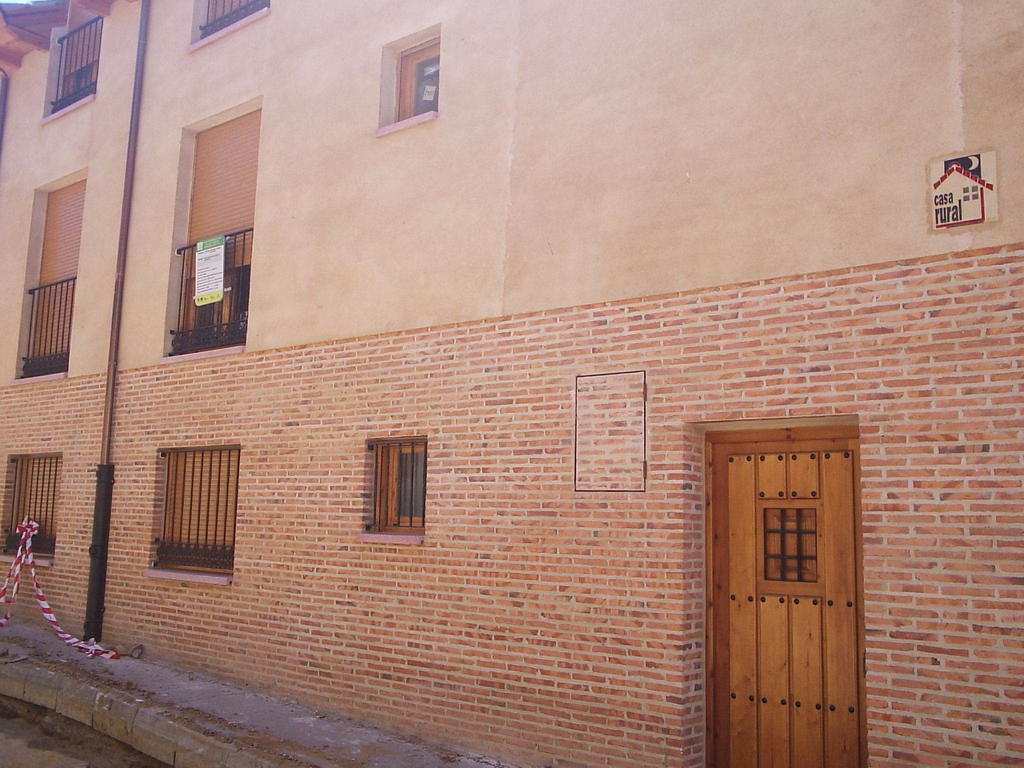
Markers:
{"x": 79, "y": 64}
{"x": 222, "y": 323}
{"x": 224, "y": 13}
{"x": 50, "y": 335}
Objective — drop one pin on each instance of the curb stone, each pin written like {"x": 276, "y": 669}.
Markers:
{"x": 77, "y": 701}
{"x": 142, "y": 726}
{"x": 113, "y": 717}
{"x": 12, "y": 680}
{"x": 41, "y": 687}
{"x": 149, "y": 735}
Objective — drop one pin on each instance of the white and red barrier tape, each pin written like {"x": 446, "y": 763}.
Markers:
{"x": 28, "y": 529}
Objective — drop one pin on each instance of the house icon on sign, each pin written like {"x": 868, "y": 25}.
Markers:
{"x": 959, "y": 198}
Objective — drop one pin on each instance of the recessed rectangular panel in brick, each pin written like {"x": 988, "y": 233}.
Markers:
{"x": 611, "y": 432}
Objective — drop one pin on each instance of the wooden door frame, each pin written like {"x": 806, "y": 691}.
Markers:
{"x": 794, "y": 434}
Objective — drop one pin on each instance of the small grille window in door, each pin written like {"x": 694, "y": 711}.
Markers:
{"x": 790, "y": 545}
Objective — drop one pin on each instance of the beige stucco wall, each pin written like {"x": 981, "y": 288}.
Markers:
{"x": 699, "y": 144}
{"x": 39, "y": 155}
{"x": 630, "y": 149}
{"x": 353, "y": 233}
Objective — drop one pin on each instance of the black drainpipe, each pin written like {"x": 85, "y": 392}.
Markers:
{"x": 98, "y": 550}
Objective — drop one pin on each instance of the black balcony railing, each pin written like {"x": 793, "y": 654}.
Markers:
{"x": 79, "y": 63}
{"x": 50, "y": 334}
{"x": 224, "y": 13}
{"x": 222, "y": 323}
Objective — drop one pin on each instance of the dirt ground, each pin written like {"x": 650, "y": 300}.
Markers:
{"x": 35, "y": 737}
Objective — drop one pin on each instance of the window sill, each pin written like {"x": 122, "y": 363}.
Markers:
{"x": 37, "y": 379}
{"x": 221, "y": 579}
{"x": 42, "y": 561}
{"x": 202, "y": 43}
{"x": 69, "y": 108}
{"x": 220, "y": 352}
{"x": 371, "y": 537}
{"x": 401, "y": 125}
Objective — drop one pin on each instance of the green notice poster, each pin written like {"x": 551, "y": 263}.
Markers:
{"x": 209, "y": 270}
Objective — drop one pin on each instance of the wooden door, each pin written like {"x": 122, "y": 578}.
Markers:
{"x": 785, "y": 665}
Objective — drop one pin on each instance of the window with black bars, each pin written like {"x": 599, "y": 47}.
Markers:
{"x": 224, "y": 13}
{"x": 399, "y": 484}
{"x": 200, "y": 505}
{"x": 79, "y": 66}
{"x": 36, "y": 484}
{"x": 790, "y": 545}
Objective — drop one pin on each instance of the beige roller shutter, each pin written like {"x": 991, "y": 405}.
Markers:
{"x": 224, "y": 184}
{"x": 62, "y": 234}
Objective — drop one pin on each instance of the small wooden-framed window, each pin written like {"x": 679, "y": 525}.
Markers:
{"x": 36, "y": 483}
{"x": 419, "y": 79}
{"x": 399, "y": 484}
{"x": 200, "y": 505}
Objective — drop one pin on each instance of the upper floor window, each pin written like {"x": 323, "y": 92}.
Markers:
{"x": 49, "y": 333}
{"x": 213, "y": 304}
{"x": 410, "y": 80}
{"x": 419, "y": 80}
{"x": 36, "y": 482}
{"x": 79, "y": 64}
{"x": 224, "y": 13}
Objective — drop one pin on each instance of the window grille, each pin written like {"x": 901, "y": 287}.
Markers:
{"x": 79, "y": 63}
{"x": 200, "y": 504}
{"x": 790, "y": 545}
{"x": 399, "y": 487}
{"x": 224, "y": 13}
{"x": 36, "y": 482}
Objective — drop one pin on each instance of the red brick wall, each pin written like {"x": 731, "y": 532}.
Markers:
{"x": 57, "y": 416}
{"x": 562, "y": 628}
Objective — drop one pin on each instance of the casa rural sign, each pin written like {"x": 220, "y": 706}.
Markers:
{"x": 963, "y": 190}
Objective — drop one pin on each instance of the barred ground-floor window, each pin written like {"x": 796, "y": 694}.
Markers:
{"x": 200, "y": 506}
{"x": 35, "y": 482}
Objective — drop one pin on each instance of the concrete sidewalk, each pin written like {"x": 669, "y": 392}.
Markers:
{"x": 192, "y": 720}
